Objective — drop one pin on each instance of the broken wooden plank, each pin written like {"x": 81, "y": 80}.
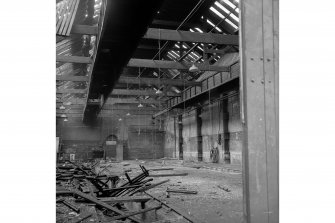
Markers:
{"x": 125, "y": 199}
{"x": 70, "y": 205}
{"x": 175, "y": 209}
{"x": 121, "y": 188}
{"x": 169, "y": 175}
{"x": 136, "y": 212}
{"x": 159, "y": 169}
{"x": 182, "y": 191}
{"x": 149, "y": 187}
{"x": 224, "y": 188}
{"x": 60, "y": 200}
{"x": 63, "y": 192}
{"x": 81, "y": 217}
{"x": 101, "y": 204}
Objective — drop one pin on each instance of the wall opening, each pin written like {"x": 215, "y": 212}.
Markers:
{"x": 180, "y": 134}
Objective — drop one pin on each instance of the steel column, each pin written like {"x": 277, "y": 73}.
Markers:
{"x": 259, "y": 85}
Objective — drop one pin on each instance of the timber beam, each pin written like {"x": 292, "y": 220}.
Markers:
{"x": 173, "y": 23}
{"x": 107, "y": 114}
{"x": 110, "y": 112}
{"x": 194, "y": 37}
{"x": 161, "y": 112}
{"x": 84, "y": 30}
{"x": 137, "y": 116}
{"x": 157, "y": 81}
{"x": 133, "y": 101}
{"x": 73, "y": 59}
{"x": 217, "y": 51}
{"x": 165, "y": 64}
{"x": 71, "y": 91}
{"x": 112, "y": 101}
{"x": 121, "y": 107}
{"x": 142, "y": 93}
{"x": 71, "y": 78}
{"x": 72, "y": 102}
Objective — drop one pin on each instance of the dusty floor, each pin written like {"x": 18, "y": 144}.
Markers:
{"x": 212, "y": 204}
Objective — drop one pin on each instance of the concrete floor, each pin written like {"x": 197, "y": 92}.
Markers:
{"x": 211, "y": 204}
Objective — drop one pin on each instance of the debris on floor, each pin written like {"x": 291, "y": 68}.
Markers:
{"x": 106, "y": 192}
{"x": 224, "y": 188}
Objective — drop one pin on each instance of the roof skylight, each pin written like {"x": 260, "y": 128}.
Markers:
{"x": 229, "y": 3}
{"x": 234, "y": 17}
{"x": 230, "y": 23}
{"x": 172, "y": 55}
{"x": 192, "y": 56}
{"x": 212, "y": 24}
{"x": 200, "y": 48}
{"x": 195, "y": 54}
{"x": 222, "y": 7}
{"x": 216, "y": 12}
{"x": 199, "y": 29}
{"x": 169, "y": 57}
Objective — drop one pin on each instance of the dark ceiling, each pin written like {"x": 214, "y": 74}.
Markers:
{"x": 126, "y": 22}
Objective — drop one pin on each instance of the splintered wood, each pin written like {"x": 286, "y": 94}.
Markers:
{"x": 85, "y": 196}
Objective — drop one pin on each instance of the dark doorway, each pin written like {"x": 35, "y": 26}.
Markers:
{"x": 226, "y": 131}
{"x": 199, "y": 135}
{"x": 180, "y": 133}
{"x": 110, "y": 146}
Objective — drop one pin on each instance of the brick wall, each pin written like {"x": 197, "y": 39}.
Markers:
{"x": 213, "y": 133}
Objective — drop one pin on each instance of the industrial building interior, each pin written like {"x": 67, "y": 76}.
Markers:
{"x": 149, "y": 119}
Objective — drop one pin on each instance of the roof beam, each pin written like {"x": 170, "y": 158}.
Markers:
{"x": 173, "y": 23}
{"x": 110, "y": 112}
{"x": 68, "y": 71}
{"x": 71, "y": 91}
{"x": 165, "y": 64}
{"x": 141, "y": 92}
{"x": 192, "y": 96}
{"x": 58, "y": 111}
{"x": 133, "y": 101}
{"x": 194, "y": 37}
{"x": 107, "y": 114}
{"x": 73, "y": 59}
{"x": 152, "y": 47}
{"x": 157, "y": 81}
{"x": 121, "y": 107}
{"x": 73, "y": 102}
{"x": 112, "y": 101}
{"x": 71, "y": 78}
{"x": 217, "y": 51}
{"x": 161, "y": 112}
{"x": 84, "y": 30}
